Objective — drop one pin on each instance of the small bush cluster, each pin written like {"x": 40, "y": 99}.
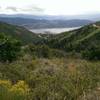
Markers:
{"x": 43, "y": 51}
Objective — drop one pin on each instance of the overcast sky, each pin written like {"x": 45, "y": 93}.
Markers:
{"x": 51, "y": 7}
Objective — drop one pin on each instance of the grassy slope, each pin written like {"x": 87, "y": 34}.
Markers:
{"x": 69, "y": 78}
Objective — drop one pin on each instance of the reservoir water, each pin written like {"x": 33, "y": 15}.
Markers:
{"x": 53, "y": 30}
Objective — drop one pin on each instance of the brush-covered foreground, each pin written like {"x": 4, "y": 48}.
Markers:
{"x": 50, "y": 79}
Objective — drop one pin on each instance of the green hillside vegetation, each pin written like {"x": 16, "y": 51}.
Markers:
{"x": 69, "y": 38}
{"x": 49, "y": 67}
{"x": 43, "y": 51}
{"x": 81, "y": 40}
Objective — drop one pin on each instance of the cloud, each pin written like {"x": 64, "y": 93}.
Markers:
{"x": 38, "y": 9}
{"x": 0, "y": 7}
{"x": 12, "y": 8}
{"x": 32, "y": 8}
{"x": 27, "y": 9}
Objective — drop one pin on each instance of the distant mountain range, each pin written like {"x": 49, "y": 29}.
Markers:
{"x": 37, "y": 22}
{"x": 92, "y": 16}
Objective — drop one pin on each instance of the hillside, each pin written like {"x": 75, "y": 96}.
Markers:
{"x": 72, "y": 40}
{"x": 81, "y": 38}
{"x": 85, "y": 39}
{"x": 35, "y": 76}
{"x": 46, "y": 69}
{"x": 20, "y": 33}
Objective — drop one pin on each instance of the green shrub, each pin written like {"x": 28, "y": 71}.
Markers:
{"x": 9, "y": 48}
{"x": 91, "y": 54}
